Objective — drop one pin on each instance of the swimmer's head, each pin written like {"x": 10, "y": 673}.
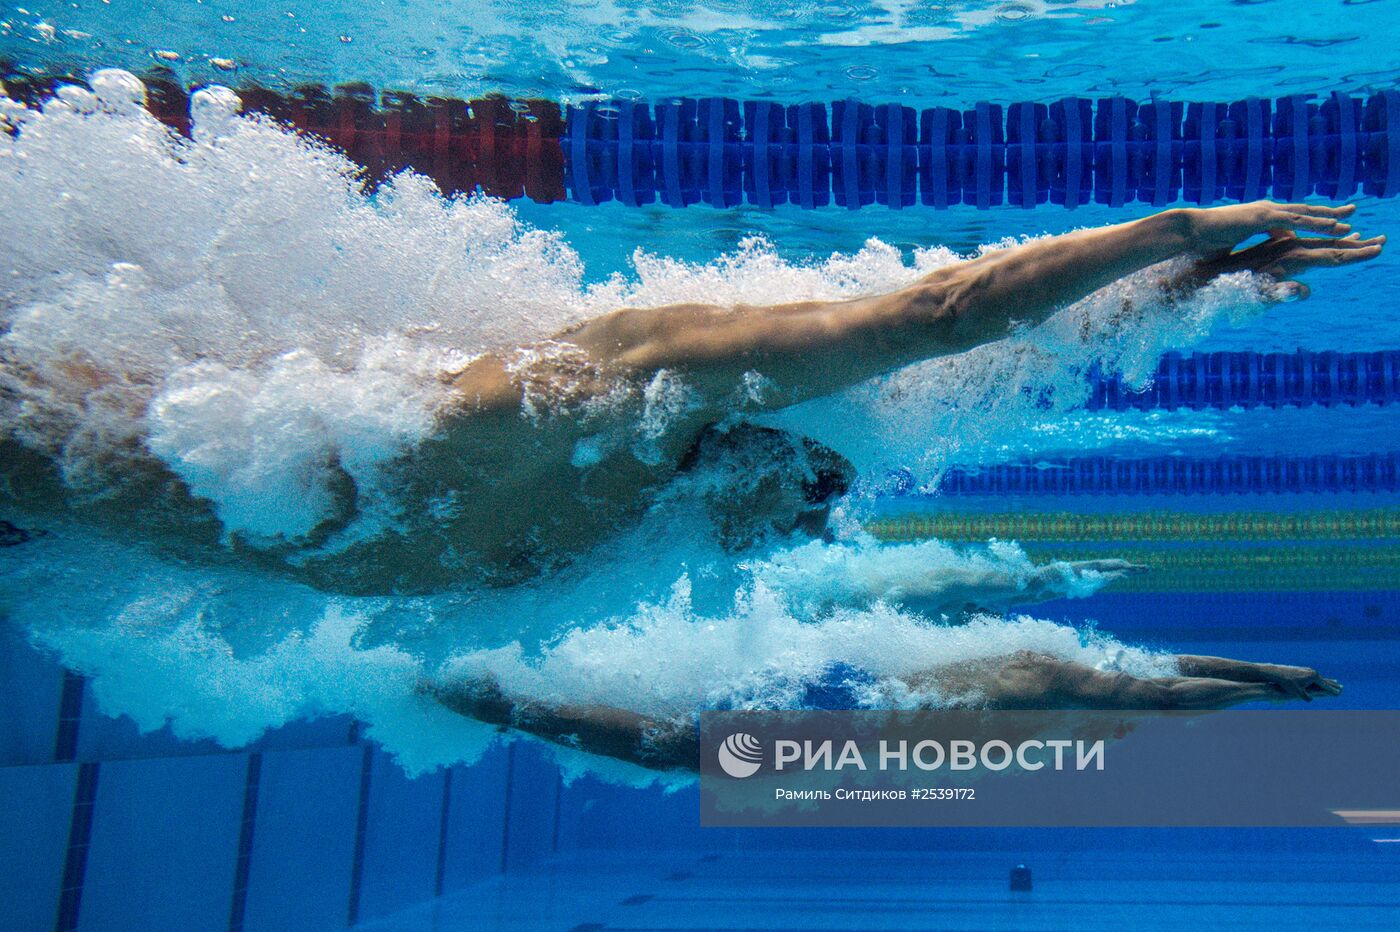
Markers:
{"x": 758, "y": 481}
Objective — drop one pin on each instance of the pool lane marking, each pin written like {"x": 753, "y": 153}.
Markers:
{"x": 79, "y": 839}
{"x": 244, "y": 861}
{"x": 357, "y": 863}
{"x": 444, "y": 816}
{"x": 70, "y": 713}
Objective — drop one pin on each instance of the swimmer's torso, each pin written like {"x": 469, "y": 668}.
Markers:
{"x": 521, "y": 477}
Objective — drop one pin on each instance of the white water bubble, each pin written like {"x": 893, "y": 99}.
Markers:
{"x": 213, "y": 111}
{"x": 13, "y": 113}
{"x": 78, "y": 98}
{"x": 118, "y": 91}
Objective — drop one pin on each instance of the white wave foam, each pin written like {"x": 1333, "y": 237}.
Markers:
{"x": 978, "y": 405}
{"x": 666, "y": 660}
{"x": 225, "y": 654}
{"x": 181, "y": 291}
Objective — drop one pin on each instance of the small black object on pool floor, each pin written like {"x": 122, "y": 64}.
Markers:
{"x": 1020, "y": 877}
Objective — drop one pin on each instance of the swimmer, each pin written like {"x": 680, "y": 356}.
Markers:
{"x": 928, "y": 578}
{"x": 536, "y": 457}
{"x": 591, "y": 382}
{"x": 1021, "y": 681}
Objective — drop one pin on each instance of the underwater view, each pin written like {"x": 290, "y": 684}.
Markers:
{"x": 418, "y": 420}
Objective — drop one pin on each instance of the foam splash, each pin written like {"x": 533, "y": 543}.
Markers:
{"x": 260, "y": 281}
{"x": 986, "y": 404}
{"x": 234, "y": 309}
{"x": 226, "y": 654}
{"x": 667, "y": 660}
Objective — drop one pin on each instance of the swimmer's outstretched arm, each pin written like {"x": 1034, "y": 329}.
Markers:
{"x": 1024, "y": 680}
{"x": 1293, "y": 682}
{"x": 816, "y": 348}
{"x": 952, "y": 590}
{"x": 1029, "y": 680}
{"x": 602, "y": 730}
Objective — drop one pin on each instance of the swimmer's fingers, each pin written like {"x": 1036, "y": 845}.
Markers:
{"x": 1336, "y": 211}
{"x": 1286, "y": 290}
{"x": 1218, "y": 229}
{"x": 1285, "y": 256}
{"x": 1285, "y": 243}
{"x": 1317, "y": 224}
{"x": 1326, "y": 687}
{"x": 1303, "y": 254}
{"x": 1271, "y": 218}
{"x": 1293, "y": 689}
{"x": 1319, "y": 685}
{"x": 1315, "y": 218}
{"x": 1300, "y": 682}
{"x": 1350, "y": 241}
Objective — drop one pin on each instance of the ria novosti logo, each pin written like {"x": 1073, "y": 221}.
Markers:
{"x": 740, "y": 755}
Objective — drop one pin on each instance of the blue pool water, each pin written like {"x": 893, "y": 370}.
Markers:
{"x": 194, "y": 741}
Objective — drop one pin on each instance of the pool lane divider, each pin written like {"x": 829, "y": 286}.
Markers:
{"x": 1069, "y": 152}
{"x": 1168, "y": 526}
{"x": 1162, "y": 475}
{"x": 847, "y": 153}
{"x": 502, "y": 147}
{"x": 1248, "y": 379}
{"x": 1315, "y": 551}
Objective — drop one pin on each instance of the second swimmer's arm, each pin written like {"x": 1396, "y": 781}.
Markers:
{"x": 602, "y": 730}
{"x": 954, "y": 589}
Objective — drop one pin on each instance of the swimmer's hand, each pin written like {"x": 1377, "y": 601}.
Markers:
{"x": 1298, "y": 682}
{"x": 1214, "y": 233}
{"x": 478, "y": 697}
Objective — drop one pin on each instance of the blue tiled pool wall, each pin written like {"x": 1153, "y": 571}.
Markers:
{"x": 314, "y": 828}
{"x": 309, "y": 828}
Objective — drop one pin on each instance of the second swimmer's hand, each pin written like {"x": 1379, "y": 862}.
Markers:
{"x": 1285, "y": 255}
{"x": 1113, "y": 568}
{"x": 1060, "y": 576}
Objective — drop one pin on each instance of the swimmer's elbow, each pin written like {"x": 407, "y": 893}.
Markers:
{"x": 956, "y": 304}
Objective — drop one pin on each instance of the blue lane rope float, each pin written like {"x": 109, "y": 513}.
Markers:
{"x": 1248, "y": 379}
{"x": 1173, "y": 475}
{"x": 724, "y": 152}
{"x": 1070, "y": 152}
